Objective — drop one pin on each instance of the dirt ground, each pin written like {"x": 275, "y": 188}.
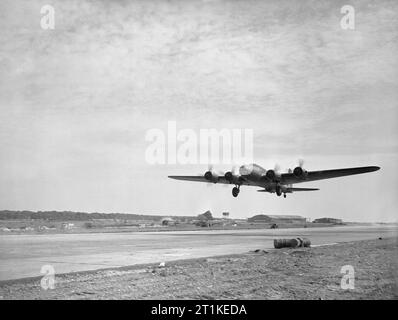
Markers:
{"x": 303, "y": 273}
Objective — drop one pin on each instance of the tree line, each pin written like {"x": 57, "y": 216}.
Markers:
{"x": 70, "y": 215}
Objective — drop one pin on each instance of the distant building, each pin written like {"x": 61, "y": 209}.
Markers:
{"x": 328, "y": 220}
{"x": 268, "y": 218}
{"x": 66, "y": 226}
{"x": 168, "y": 222}
{"x": 225, "y": 215}
{"x": 202, "y": 223}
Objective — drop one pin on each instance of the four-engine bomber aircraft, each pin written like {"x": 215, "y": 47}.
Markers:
{"x": 271, "y": 180}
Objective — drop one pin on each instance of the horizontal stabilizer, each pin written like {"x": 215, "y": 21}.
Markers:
{"x": 290, "y": 190}
{"x": 301, "y": 189}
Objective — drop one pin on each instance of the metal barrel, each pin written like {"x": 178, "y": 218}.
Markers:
{"x": 292, "y": 243}
{"x": 306, "y": 242}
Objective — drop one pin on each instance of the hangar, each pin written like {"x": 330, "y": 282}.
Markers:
{"x": 328, "y": 220}
{"x": 267, "y": 218}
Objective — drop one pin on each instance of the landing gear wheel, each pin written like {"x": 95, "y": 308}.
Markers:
{"x": 284, "y": 195}
{"x": 235, "y": 191}
{"x": 278, "y": 190}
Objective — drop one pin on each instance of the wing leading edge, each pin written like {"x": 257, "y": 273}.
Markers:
{"x": 190, "y": 178}
{"x": 290, "y": 178}
{"x": 220, "y": 179}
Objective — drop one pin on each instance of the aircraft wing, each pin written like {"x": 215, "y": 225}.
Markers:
{"x": 290, "y": 178}
{"x": 220, "y": 179}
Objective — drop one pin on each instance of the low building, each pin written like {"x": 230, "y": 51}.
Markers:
{"x": 268, "y": 218}
{"x": 169, "y": 222}
{"x": 67, "y": 226}
{"x": 328, "y": 220}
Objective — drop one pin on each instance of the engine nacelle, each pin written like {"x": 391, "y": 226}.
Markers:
{"x": 299, "y": 172}
{"x": 272, "y": 175}
{"x": 231, "y": 178}
{"x": 210, "y": 176}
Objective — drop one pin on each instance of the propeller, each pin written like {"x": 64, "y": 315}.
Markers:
{"x": 211, "y": 175}
{"x": 299, "y": 171}
{"x": 272, "y": 174}
{"x": 233, "y": 175}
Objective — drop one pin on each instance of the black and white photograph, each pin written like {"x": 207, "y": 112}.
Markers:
{"x": 201, "y": 150}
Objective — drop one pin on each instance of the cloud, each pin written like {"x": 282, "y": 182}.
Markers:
{"x": 81, "y": 97}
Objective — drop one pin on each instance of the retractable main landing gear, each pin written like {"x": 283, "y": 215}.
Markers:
{"x": 278, "y": 191}
{"x": 235, "y": 191}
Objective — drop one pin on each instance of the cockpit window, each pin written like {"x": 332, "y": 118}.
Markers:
{"x": 246, "y": 170}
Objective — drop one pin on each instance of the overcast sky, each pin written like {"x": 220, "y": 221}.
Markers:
{"x": 77, "y": 101}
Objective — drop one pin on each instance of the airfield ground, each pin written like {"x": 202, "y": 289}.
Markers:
{"x": 302, "y": 273}
{"x": 24, "y": 256}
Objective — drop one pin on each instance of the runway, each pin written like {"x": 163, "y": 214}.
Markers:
{"x": 24, "y": 255}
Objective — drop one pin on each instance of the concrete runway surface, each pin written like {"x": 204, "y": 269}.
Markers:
{"x": 24, "y": 255}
